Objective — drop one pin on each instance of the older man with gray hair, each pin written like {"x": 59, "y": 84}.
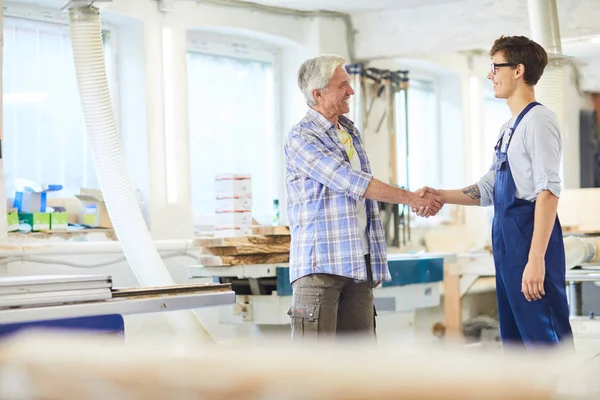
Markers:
{"x": 338, "y": 251}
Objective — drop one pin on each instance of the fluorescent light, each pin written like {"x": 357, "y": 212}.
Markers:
{"x": 169, "y": 115}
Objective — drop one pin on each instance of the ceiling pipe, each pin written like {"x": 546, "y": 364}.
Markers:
{"x": 543, "y": 22}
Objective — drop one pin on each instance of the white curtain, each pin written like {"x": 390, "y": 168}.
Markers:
{"x": 231, "y": 110}
{"x": 44, "y": 137}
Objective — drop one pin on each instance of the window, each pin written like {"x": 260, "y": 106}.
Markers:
{"x": 423, "y": 159}
{"x": 232, "y": 125}
{"x": 495, "y": 114}
{"x": 44, "y": 139}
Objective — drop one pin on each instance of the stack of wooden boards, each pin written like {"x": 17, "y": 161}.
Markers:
{"x": 267, "y": 245}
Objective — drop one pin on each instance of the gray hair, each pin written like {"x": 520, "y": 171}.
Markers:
{"x": 315, "y": 74}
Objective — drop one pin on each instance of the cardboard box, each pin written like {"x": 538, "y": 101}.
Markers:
{"x": 59, "y": 219}
{"x": 94, "y": 212}
{"x": 73, "y": 206}
{"x": 39, "y": 221}
{"x": 235, "y": 218}
{"x": 236, "y": 184}
{"x": 231, "y": 202}
{"x": 32, "y": 200}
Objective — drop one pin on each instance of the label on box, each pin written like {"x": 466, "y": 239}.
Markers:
{"x": 221, "y": 177}
{"x": 225, "y": 202}
{"x": 232, "y": 230}
{"x": 233, "y": 184}
{"x": 90, "y": 215}
{"x": 236, "y": 218}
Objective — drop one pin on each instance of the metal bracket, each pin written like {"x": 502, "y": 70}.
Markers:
{"x": 82, "y": 3}
{"x": 165, "y": 6}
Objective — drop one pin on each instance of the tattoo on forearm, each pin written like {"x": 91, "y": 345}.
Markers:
{"x": 473, "y": 192}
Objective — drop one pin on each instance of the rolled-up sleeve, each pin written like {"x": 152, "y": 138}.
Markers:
{"x": 314, "y": 159}
{"x": 544, "y": 145}
{"x": 486, "y": 187}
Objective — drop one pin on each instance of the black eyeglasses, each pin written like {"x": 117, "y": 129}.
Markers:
{"x": 495, "y": 66}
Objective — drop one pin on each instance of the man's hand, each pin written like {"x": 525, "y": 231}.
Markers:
{"x": 532, "y": 284}
{"x": 425, "y": 210}
{"x": 426, "y": 202}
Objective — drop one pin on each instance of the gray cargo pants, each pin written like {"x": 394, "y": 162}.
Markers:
{"x": 325, "y": 306}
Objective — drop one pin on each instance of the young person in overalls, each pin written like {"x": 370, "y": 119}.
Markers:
{"x": 523, "y": 185}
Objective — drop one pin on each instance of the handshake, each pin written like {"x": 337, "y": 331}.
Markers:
{"x": 426, "y": 202}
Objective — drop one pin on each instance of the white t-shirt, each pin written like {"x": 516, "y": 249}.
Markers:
{"x": 361, "y": 209}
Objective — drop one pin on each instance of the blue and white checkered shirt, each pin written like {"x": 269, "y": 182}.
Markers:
{"x": 323, "y": 190}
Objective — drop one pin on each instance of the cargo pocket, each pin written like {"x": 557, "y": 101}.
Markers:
{"x": 304, "y": 321}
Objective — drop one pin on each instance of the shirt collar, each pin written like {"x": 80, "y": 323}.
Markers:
{"x": 326, "y": 124}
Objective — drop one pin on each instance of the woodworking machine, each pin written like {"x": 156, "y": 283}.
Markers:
{"x": 91, "y": 301}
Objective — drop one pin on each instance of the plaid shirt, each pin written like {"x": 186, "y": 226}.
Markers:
{"x": 322, "y": 193}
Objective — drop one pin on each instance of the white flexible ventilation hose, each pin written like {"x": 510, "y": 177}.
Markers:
{"x": 118, "y": 193}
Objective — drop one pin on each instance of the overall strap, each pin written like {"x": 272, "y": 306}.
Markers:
{"x": 519, "y": 118}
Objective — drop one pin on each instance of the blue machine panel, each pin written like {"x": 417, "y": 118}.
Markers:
{"x": 284, "y": 287}
{"x": 410, "y": 272}
{"x": 404, "y": 272}
{"x": 112, "y": 323}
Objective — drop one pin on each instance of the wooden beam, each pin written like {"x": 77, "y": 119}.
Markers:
{"x": 452, "y": 302}
{"x": 236, "y": 241}
{"x": 271, "y": 230}
{"x": 244, "y": 250}
{"x": 253, "y": 259}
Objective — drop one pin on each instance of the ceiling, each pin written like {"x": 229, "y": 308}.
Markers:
{"x": 351, "y": 6}
{"x": 386, "y": 28}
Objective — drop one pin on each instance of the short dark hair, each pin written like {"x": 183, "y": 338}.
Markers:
{"x": 522, "y": 50}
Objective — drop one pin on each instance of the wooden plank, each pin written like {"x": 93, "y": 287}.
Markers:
{"x": 240, "y": 241}
{"x": 244, "y": 250}
{"x": 139, "y": 369}
{"x": 253, "y": 259}
{"x": 270, "y": 230}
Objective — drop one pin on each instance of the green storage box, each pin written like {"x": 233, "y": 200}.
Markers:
{"x": 13, "y": 221}
{"x": 39, "y": 221}
{"x": 59, "y": 220}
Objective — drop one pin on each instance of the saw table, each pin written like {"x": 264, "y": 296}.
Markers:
{"x": 68, "y": 301}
